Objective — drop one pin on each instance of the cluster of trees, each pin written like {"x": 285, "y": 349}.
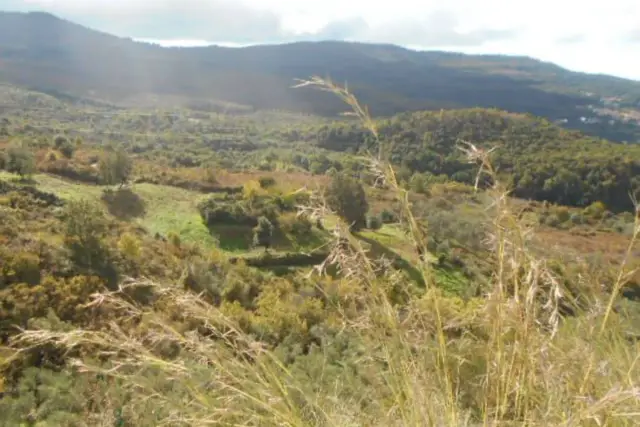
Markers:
{"x": 18, "y": 159}
{"x": 540, "y": 160}
{"x": 115, "y": 165}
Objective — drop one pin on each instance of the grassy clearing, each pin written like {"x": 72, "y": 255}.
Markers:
{"x": 170, "y": 209}
{"x": 164, "y": 209}
{"x": 393, "y": 237}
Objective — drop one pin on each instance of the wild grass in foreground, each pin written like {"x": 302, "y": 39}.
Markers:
{"x": 537, "y": 348}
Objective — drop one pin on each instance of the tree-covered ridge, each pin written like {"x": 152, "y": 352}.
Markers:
{"x": 542, "y": 160}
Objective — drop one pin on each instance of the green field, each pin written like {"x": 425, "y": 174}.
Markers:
{"x": 158, "y": 208}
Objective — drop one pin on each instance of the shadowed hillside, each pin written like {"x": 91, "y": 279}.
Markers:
{"x": 40, "y": 51}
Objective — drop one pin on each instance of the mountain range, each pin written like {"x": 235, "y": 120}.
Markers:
{"x": 41, "y": 52}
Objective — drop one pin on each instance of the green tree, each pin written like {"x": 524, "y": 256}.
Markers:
{"x": 263, "y": 233}
{"x": 346, "y": 196}
{"x": 115, "y": 167}
{"x": 21, "y": 161}
{"x": 84, "y": 237}
{"x": 63, "y": 145}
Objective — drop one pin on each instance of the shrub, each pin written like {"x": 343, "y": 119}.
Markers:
{"x": 115, "y": 167}
{"x": 577, "y": 219}
{"x": 63, "y": 145}
{"x": 65, "y": 296}
{"x": 291, "y": 201}
{"x": 52, "y": 156}
{"x": 174, "y": 239}
{"x": 85, "y": 230}
{"x": 251, "y": 191}
{"x": 596, "y": 210}
{"x": 263, "y": 233}
{"x": 66, "y": 169}
{"x": 267, "y": 182}
{"x": 374, "y": 222}
{"x": 562, "y": 213}
{"x": 347, "y": 198}
{"x": 20, "y": 161}
{"x": 21, "y": 267}
{"x": 388, "y": 217}
{"x": 129, "y": 246}
{"x": 552, "y": 220}
{"x": 214, "y": 211}
{"x": 295, "y": 225}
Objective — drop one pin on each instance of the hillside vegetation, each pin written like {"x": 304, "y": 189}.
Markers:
{"x": 42, "y": 52}
{"x": 192, "y": 268}
{"x": 538, "y": 159}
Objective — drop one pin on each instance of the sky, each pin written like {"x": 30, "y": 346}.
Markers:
{"x": 593, "y": 36}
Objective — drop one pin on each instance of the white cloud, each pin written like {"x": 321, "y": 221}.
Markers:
{"x": 589, "y": 36}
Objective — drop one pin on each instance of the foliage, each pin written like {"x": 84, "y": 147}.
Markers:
{"x": 21, "y": 267}
{"x": 20, "y": 160}
{"x": 465, "y": 308}
{"x": 346, "y": 196}
{"x": 374, "y": 222}
{"x": 115, "y": 167}
{"x": 541, "y": 160}
{"x": 23, "y": 302}
{"x": 263, "y": 233}
{"x": 63, "y": 145}
{"x": 267, "y": 181}
{"x": 296, "y": 225}
{"x": 84, "y": 234}
{"x": 129, "y": 246}
{"x": 388, "y": 217}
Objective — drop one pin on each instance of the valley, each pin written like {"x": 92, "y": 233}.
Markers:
{"x": 187, "y": 239}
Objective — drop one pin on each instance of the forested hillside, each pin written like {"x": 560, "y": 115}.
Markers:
{"x": 540, "y": 160}
{"x": 43, "y": 52}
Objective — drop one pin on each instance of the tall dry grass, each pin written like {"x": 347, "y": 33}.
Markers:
{"x": 509, "y": 358}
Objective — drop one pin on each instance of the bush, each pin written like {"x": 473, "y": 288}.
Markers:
{"x": 174, "y": 239}
{"x": 63, "y": 145}
{"x": 214, "y": 211}
{"x": 374, "y": 222}
{"x": 66, "y": 169}
{"x": 52, "y": 156}
{"x": 21, "y": 267}
{"x": 263, "y": 233}
{"x": 85, "y": 230}
{"x": 65, "y": 296}
{"x": 20, "y": 161}
{"x": 346, "y": 196}
{"x": 595, "y": 210}
{"x": 115, "y": 167}
{"x": 577, "y": 219}
{"x": 291, "y": 201}
{"x": 295, "y": 225}
{"x": 388, "y": 217}
{"x": 267, "y": 182}
{"x": 562, "y": 213}
{"x": 129, "y": 246}
{"x": 552, "y": 220}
